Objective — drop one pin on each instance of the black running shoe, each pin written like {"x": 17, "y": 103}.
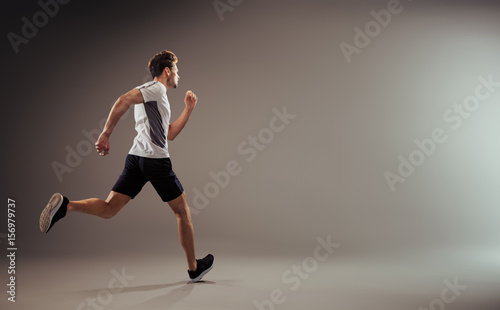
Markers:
{"x": 203, "y": 266}
{"x": 53, "y": 212}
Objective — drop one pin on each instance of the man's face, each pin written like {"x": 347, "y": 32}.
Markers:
{"x": 173, "y": 79}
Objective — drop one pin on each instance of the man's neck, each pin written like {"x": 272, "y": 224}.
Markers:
{"x": 161, "y": 80}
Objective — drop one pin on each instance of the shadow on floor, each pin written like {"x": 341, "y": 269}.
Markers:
{"x": 169, "y": 299}
{"x": 160, "y": 299}
{"x": 142, "y": 288}
{"x": 164, "y": 300}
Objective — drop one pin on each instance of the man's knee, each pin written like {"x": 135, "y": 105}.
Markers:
{"x": 108, "y": 211}
{"x": 179, "y": 206}
{"x": 182, "y": 211}
{"x": 112, "y": 208}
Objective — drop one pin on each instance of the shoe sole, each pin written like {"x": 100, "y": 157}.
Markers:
{"x": 198, "y": 278}
{"x": 48, "y": 212}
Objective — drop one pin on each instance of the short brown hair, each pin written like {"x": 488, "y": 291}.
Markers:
{"x": 160, "y": 61}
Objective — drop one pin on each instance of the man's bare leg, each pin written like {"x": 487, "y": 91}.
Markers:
{"x": 58, "y": 206}
{"x": 185, "y": 227}
{"x": 102, "y": 208}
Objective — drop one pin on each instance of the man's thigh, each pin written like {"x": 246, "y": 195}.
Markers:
{"x": 159, "y": 172}
{"x": 132, "y": 179}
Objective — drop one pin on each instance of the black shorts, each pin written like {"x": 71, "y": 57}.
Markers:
{"x": 139, "y": 170}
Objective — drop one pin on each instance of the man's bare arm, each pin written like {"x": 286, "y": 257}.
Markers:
{"x": 176, "y": 127}
{"x": 119, "y": 108}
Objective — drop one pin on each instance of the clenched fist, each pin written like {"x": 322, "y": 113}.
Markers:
{"x": 102, "y": 144}
{"x": 190, "y": 99}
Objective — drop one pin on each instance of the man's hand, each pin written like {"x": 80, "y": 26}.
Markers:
{"x": 190, "y": 100}
{"x": 102, "y": 144}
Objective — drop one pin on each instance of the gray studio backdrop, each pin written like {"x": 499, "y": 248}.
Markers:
{"x": 314, "y": 118}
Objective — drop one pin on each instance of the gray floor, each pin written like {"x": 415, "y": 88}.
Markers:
{"x": 158, "y": 282}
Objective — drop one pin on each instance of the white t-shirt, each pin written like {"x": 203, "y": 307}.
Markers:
{"x": 151, "y": 122}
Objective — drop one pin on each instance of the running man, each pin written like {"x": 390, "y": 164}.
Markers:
{"x": 147, "y": 160}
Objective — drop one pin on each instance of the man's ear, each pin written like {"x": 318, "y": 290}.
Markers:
{"x": 167, "y": 71}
